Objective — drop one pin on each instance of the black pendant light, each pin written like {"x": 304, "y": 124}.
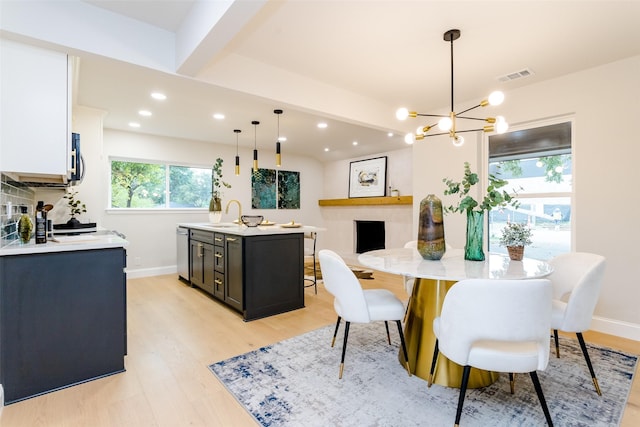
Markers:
{"x": 278, "y": 154}
{"x": 237, "y": 131}
{"x": 255, "y": 124}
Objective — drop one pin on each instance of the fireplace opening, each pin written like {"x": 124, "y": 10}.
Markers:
{"x": 369, "y": 236}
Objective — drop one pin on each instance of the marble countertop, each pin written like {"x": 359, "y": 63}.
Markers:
{"x": 100, "y": 240}
{"x": 243, "y": 230}
{"x": 453, "y": 266}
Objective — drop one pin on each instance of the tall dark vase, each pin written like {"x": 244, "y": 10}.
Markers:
{"x": 431, "y": 243}
{"x": 475, "y": 233}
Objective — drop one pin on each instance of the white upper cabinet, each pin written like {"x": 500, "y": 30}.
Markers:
{"x": 35, "y": 116}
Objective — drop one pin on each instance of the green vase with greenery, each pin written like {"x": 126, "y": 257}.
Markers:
{"x": 215, "y": 204}
{"x": 494, "y": 197}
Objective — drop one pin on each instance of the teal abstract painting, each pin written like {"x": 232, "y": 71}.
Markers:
{"x": 288, "y": 190}
{"x": 263, "y": 189}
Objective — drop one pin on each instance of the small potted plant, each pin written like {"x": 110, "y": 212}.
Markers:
{"x": 76, "y": 207}
{"x": 515, "y": 236}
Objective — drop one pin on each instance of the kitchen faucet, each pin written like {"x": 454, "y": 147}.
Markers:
{"x": 226, "y": 211}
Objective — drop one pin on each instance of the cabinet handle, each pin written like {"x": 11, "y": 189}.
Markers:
{"x": 218, "y": 282}
{"x": 218, "y": 239}
{"x": 200, "y": 250}
{"x": 218, "y": 255}
{"x": 231, "y": 239}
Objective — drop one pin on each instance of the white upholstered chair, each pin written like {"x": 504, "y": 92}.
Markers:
{"x": 496, "y": 325}
{"x": 354, "y": 304}
{"x": 576, "y": 279}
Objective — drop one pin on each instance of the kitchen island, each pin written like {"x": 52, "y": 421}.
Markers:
{"x": 62, "y": 313}
{"x": 257, "y": 271}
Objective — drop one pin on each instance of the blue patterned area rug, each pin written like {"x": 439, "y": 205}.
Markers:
{"x": 295, "y": 383}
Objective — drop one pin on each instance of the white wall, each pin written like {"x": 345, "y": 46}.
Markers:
{"x": 605, "y": 102}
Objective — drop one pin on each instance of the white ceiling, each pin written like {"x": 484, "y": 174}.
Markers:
{"x": 349, "y": 63}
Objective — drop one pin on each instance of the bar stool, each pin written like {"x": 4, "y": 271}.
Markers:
{"x": 310, "y": 253}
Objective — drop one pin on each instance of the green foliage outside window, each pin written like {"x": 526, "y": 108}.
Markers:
{"x": 149, "y": 185}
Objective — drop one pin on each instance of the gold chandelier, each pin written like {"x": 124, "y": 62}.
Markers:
{"x": 447, "y": 123}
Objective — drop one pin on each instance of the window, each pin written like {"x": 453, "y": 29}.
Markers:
{"x": 158, "y": 186}
{"x": 537, "y": 162}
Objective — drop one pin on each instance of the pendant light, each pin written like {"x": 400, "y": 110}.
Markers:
{"x": 447, "y": 123}
{"x": 255, "y": 124}
{"x": 237, "y": 131}
{"x": 278, "y": 154}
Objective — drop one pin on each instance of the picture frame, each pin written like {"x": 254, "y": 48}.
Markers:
{"x": 368, "y": 178}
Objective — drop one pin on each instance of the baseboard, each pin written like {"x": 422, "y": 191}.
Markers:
{"x": 136, "y": 273}
{"x": 616, "y": 327}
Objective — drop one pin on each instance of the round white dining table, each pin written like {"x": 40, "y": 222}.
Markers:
{"x": 432, "y": 281}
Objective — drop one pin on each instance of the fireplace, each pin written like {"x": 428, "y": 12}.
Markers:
{"x": 369, "y": 235}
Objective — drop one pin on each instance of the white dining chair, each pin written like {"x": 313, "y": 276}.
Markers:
{"x": 495, "y": 325}
{"x": 354, "y": 304}
{"x": 576, "y": 279}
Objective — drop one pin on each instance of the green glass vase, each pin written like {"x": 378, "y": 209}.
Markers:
{"x": 215, "y": 210}
{"x": 431, "y": 228}
{"x": 475, "y": 233}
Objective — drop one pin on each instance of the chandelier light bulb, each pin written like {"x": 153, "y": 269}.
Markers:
{"x": 496, "y": 98}
{"x": 419, "y": 130}
{"x": 501, "y": 125}
{"x": 409, "y": 138}
{"x": 402, "y": 113}
{"x": 457, "y": 141}
{"x": 445, "y": 124}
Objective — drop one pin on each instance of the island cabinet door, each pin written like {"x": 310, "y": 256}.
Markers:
{"x": 62, "y": 320}
{"x": 273, "y": 268}
{"x": 233, "y": 273}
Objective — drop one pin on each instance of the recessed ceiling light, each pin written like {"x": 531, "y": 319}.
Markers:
{"x": 390, "y": 134}
{"x": 145, "y": 113}
{"x": 282, "y": 138}
{"x": 326, "y": 150}
{"x": 322, "y": 125}
{"x": 355, "y": 143}
{"x": 159, "y": 96}
{"x": 218, "y": 116}
{"x": 134, "y": 124}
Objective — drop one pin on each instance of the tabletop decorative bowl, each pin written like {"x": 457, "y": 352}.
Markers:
{"x": 251, "y": 220}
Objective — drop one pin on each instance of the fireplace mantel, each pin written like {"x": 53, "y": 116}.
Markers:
{"x": 367, "y": 201}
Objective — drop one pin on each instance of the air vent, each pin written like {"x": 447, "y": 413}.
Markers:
{"x": 527, "y": 72}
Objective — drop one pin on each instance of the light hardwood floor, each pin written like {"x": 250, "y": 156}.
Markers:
{"x": 175, "y": 332}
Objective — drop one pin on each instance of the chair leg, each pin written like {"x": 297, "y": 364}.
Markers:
{"x": 386, "y": 325}
{"x": 555, "y": 339}
{"x": 463, "y": 391}
{"x": 512, "y": 382}
{"x": 404, "y": 346}
{"x": 543, "y": 402}
{"x": 344, "y": 347}
{"x": 583, "y": 346}
{"x": 333, "y": 342}
{"x": 434, "y": 360}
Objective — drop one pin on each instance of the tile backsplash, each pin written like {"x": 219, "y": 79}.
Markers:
{"x": 13, "y": 195}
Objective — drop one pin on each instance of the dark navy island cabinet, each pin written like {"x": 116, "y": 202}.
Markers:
{"x": 62, "y": 319}
{"x": 257, "y": 275}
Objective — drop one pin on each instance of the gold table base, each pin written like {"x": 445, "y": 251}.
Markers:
{"x": 424, "y": 306}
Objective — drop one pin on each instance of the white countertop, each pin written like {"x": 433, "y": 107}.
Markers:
{"x": 82, "y": 242}
{"x": 243, "y": 230}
